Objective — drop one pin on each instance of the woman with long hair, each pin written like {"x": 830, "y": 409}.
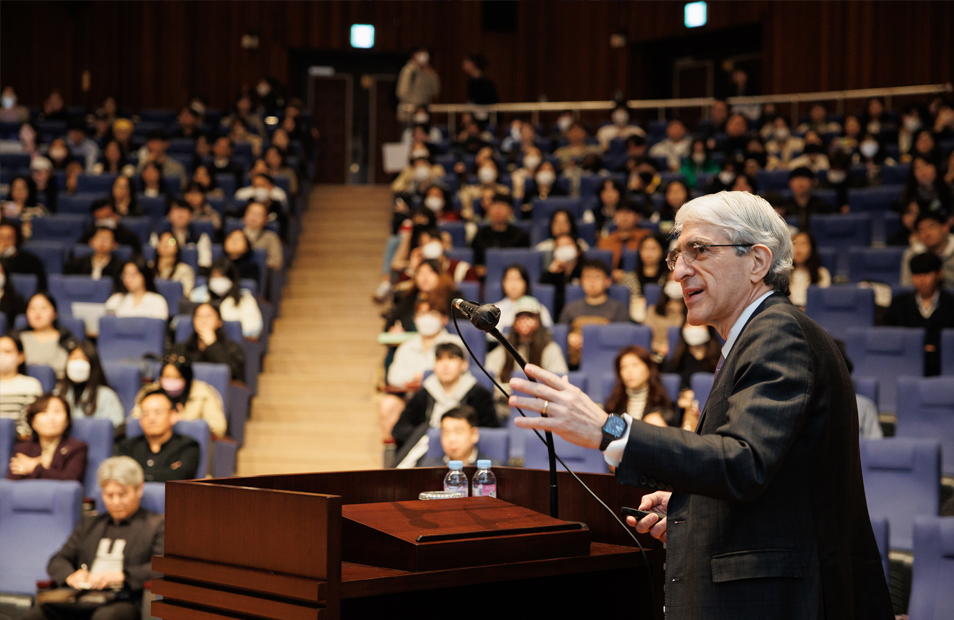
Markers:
{"x": 135, "y": 293}
{"x": 46, "y": 342}
{"x": 198, "y": 400}
{"x": 234, "y": 302}
{"x": 209, "y": 343}
{"x": 123, "y": 198}
{"x": 85, "y": 389}
{"x": 168, "y": 263}
{"x": 639, "y": 390}
{"x": 531, "y": 339}
{"x": 808, "y": 270}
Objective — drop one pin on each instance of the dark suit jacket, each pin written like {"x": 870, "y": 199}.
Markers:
{"x": 768, "y": 517}
{"x": 83, "y": 266}
{"x": 904, "y": 312}
{"x": 69, "y": 461}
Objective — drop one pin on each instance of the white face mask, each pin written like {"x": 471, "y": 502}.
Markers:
{"x": 782, "y": 133}
{"x": 912, "y": 123}
{"x": 220, "y": 285}
{"x": 726, "y": 177}
{"x": 673, "y": 290}
{"x": 546, "y": 177}
{"x": 837, "y": 177}
{"x": 422, "y": 173}
{"x": 106, "y": 223}
{"x": 530, "y": 162}
{"x": 420, "y": 153}
{"x": 621, "y": 118}
{"x": 8, "y": 101}
{"x": 487, "y": 175}
{"x": 428, "y": 325}
{"x": 432, "y": 250}
{"x": 515, "y": 133}
{"x": 8, "y": 363}
{"x": 58, "y": 153}
{"x": 434, "y": 203}
{"x": 263, "y": 90}
{"x": 262, "y": 194}
{"x": 8, "y": 252}
{"x": 869, "y": 148}
{"x": 699, "y": 158}
{"x": 564, "y": 253}
{"x": 422, "y": 58}
{"x": 77, "y": 371}
{"x": 564, "y": 123}
{"x": 421, "y": 118}
{"x": 695, "y": 335}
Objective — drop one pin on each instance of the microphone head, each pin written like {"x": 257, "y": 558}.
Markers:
{"x": 486, "y": 317}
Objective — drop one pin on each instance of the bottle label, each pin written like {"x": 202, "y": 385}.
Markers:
{"x": 485, "y": 490}
{"x": 462, "y": 488}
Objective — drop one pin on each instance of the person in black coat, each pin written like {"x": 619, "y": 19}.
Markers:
{"x": 103, "y": 262}
{"x": 16, "y": 260}
{"x": 12, "y": 303}
{"x": 209, "y": 343}
{"x": 459, "y": 437}
{"x": 105, "y": 215}
{"x": 928, "y": 307}
{"x": 499, "y": 234}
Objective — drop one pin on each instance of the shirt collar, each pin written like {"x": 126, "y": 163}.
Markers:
{"x": 740, "y": 323}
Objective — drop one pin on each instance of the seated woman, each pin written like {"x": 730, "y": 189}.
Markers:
{"x": 152, "y": 183}
{"x": 124, "y": 198}
{"x": 85, "y": 389}
{"x": 516, "y": 285}
{"x": 46, "y": 343}
{"x": 609, "y": 195}
{"x": 430, "y": 283}
{"x": 545, "y": 186}
{"x": 17, "y": 390}
{"x": 239, "y": 250}
{"x": 808, "y": 270}
{"x": 114, "y": 160}
{"x": 206, "y": 181}
{"x": 697, "y": 351}
{"x": 639, "y": 391}
{"x": 78, "y": 564}
{"x": 22, "y": 203}
{"x": 562, "y": 222}
{"x": 50, "y": 453}
{"x": 235, "y": 303}
{"x": 136, "y": 294}
{"x": 11, "y": 302}
{"x": 677, "y": 193}
{"x": 202, "y": 211}
{"x": 209, "y": 342}
{"x": 168, "y": 263}
{"x": 199, "y": 400}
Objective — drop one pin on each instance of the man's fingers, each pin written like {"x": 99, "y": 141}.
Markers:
{"x": 646, "y": 523}
{"x": 659, "y": 530}
{"x": 540, "y": 424}
{"x": 546, "y": 377}
{"x": 631, "y": 521}
{"x": 536, "y": 389}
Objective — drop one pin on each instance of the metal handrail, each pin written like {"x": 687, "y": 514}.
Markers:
{"x": 452, "y": 109}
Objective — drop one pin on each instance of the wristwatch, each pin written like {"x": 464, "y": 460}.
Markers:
{"x": 613, "y": 429}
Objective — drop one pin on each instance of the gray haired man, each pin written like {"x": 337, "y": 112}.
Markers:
{"x": 763, "y": 506}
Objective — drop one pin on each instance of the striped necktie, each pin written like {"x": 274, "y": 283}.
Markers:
{"x": 719, "y": 366}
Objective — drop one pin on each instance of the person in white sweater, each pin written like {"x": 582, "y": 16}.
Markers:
{"x": 136, "y": 294}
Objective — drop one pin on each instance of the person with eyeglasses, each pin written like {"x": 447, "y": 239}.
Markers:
{"x": 762, "y": 507}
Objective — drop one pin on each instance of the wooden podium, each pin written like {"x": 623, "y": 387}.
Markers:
{"x": 279, "y": 547}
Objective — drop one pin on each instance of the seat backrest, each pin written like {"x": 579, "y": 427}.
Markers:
{"x": 184, "y": 329}
{"x": 837, "y": 308}
{"x": 67, "y": 289}
{"x": 126, "y": 379}
{"x": 601, "y": 343}
{"x": 902, "y": 480}
{"x": 881, "y": 533}
{"x": 499, "y": 259}
{"x": 8, "y": 437}
{"x": 578, "y": 459}
{"x": 23, "y": 283}
{"x": 98, "y": 435}
{"x": 44, "y": 374}
{"x": 122, "y": 338}
{"x": 871, "y": 199}
{"x": 475, "y": 339}
{"x": 543, "y": 208}
{"x": 932, "y": 597}
{"x": 701, "y": 385}
{"x": 36, "y": 519}
{"x": 469, "y": 290}
{"x": 494, "y": 442}
{"x": 926, "y": 411}
{"x": 617, "y": 292}
{"x": 216, "y": 375}
{"x": 886, "y": 353}
{"x": 866, "y": 386}
{"x": 171, "y": 290}
{"x": 875, "y": 264}
{"x": 196, "y": 429}
{"x": 842, "y": 230}
{"x": 51, "y": 253}
{"x": 95, "y": 183}
{"x": 559, "y": 333}
{"x": 947, "y": 351}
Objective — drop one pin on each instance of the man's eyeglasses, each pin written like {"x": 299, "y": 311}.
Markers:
{"x": 695, "y": 250}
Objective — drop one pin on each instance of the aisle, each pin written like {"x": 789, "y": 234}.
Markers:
{"x": 316, "y": 409}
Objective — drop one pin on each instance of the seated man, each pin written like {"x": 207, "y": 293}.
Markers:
{"x": 255, "y": 219}
{"x": 108, "y": 554}
{"x": 264, "y": 191}
{"x": 157, "y": 143}
{"x": 105, "y": 215}
{"x": 595, "y": 308}
{"x": 927, "y": 307}
{"x": 450, "y": 386}
{"x": 675, "y": 146}
{"x": 15, "y": 259}
{"x": 222, "y": 162}
{"x": 803, "y": 202}
{"x": 412, "y": 358}
{"x": 163, "y": 454}
{"x": 627, "y": 235}
{"x": 933, "y": 232}
{"x": 459, "y": 437}
{"x": 102, "y": 263}
{"x": 499, "y": 234}
{"x": 179, "y": 222}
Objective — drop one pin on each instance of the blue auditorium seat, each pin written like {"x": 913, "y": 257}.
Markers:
{"x": 45, "y": 375}
{"x": 932, "y": 597}
{"x": 902, "y": 481}
{"x": 875, "y": 264}
{"x": 886, "y": 353}
{"x": 130, "y": 338}
{"x": 947, "y": 352}
{"x": 574, "y": 292}
{"x": 171, "y": 290}
{"x": 69, "y": 289}
{"x": 76, "y": 205}
{"x": 701, "y": 385}
{"x": 926, "y": 411}
{"x": 837, "y": 308}
{"x": 579, "y": 459}
{"x": 98, "y": 435}
{"x": 881, "y": 533}
{"x": 497, "y": 261}
{"x": 101, "y": 184}
{"x": 871, "y": 199}
{"x": 494, "y": 442}
{"x": 23, "y": 283}
{"x": 543, "y": 208}
{"x": 184, "y": 329}
{"x": 8, "y": 437}
{"x": 126, "y": 380}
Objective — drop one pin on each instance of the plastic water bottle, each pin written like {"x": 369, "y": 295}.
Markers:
{"x": 456, "y": 479}
{"x": 485, "y": 482}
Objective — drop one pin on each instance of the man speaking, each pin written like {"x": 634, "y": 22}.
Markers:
{"x": 765, "y": 512}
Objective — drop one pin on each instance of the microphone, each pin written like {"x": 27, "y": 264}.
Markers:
{"x": 484, "y": 318}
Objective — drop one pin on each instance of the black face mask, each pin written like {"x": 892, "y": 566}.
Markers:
{"x": 814, "y": 149}
{"x": 760, "y": 158}
{"x": 646, "y": 177}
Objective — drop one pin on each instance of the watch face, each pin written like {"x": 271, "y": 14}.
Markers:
{"x": 615, "y": 426}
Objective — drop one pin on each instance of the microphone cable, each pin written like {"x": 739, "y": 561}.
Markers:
{"x": 626, "y": 528}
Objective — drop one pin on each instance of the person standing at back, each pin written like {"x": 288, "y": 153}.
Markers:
{"x": 418, "y": 83}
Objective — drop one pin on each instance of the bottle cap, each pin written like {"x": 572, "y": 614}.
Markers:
{"x": 483, "y": 463}
{"x": 456, "y": 464}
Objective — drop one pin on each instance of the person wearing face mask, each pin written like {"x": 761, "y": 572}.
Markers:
{"x": 566, "y": 267}
{"x": 264, "y": 190}
{"x": 411, "y": 359}
{"x": 17, "y": 389}
{"x": 84, "y": 387}
{"x": 59, "y": 154}
{"x": 814, "y": 156}
{"x": 697, "y": 351}
{"x": 191, "y": 398}
{"x": 487, "y": 179}
{"x": 418, "y": 83}
{"x": 544, "y": 186}
{"x": 838, "y": 179}
{"x": 50, "y": 453}
{"x": 573, "y": 154}
{"x": 643, "y": 177}
{"x": 437, "y": 201}
{"x": 638, "y": 390}
{"x": 420, "y": 174}
{"x": 522, "y": 177}
{"x": 620, "y": 127}
{"x": 235, "y": 303}
{"x": 698, "y": 163}
{"x": 911, "y": 123}
{"x": 162, "y": 453}
{"x": 779, "y": 141}
{"x": 422, "y": 130}
{"x": 41, "y": 171}
{"x": 668, "y": 311}
{"x": 675, "y": 146}
{"x": 10, "y": 109}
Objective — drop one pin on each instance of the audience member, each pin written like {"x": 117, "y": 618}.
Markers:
{"x": 12, "y": 303}
{"x": 238, "y": 249}
{"x": 168, "y": 264}
{"x": 639, "y": 391}
{"x": 12, "y": 111}
{"x": 45, "y": 341}
{"x": 17, "y": 390}
{"x": 102, "y": 262}
{"x": 564, "y": 268}
{"x": 626, "y": 237}
{"x": 499, "y": 234}
{"x": 153, "y": 183}
{"x": 668, "y": 311}
{"x": 928, "y": 307}
{"x": 84, "y": 387}
{"x": 179, "y": 222}
{"x": 210, "y": 344}
{"x": 573, "y": 154}
{"x": 516, "y": 285}
{"x": 22, "y": 203}
{"x": 643, "y": 177}
{"x": 135, "y": 293}
{"x": 108, "y": 558}
{"x": 202, "y": 211}
{"x": 235, "y": 303}
{"x": 264, "y": 191}
{"x": 808, "y": 269}
{"x": 531, "y": 339}
{"x": 814, "y": 157}
{"x": 418, "y": 83}
{"x": 933, "y": 230}
{"x": 562, "y": 222}
{"x": 80, "y": 145}
{"x": 154, "y": 152}
{"x": 222, "y": 162}
{"x": 255, "y": 219}
{"x": 818, "y": 122}
{"x": 202, "y": 176}
{"x": 675, "y": 146}
{"x": 544, "y": 186}
{"x": 459, "y": 437}
{"x": 927, "y": 188}
{"x": 105, "y": 215}
{"x": 123, "y": 198}
{"x": 481, "y": 90}
{"x": 697, "y": 351}
{"x": 803, "y": 203}
{"x": 162, "y": 453}
{"x": 609, "y": 195}
{"x": 596, "y": 307}
{"x": 779, "y": 141}
{"x": 243, "y": 113}
{"x": 676, "y": 195}
{"x": 698, "y": 163}
{"x": 191, "y": 398}
{"x": 59, "y": 154}
{"x": 278, "y": 167}
{"x": 41, "y": 171}
{"x": 619, "y": 129}
{"x": 471, "y": 196}
{"x": 50, "y": 453}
